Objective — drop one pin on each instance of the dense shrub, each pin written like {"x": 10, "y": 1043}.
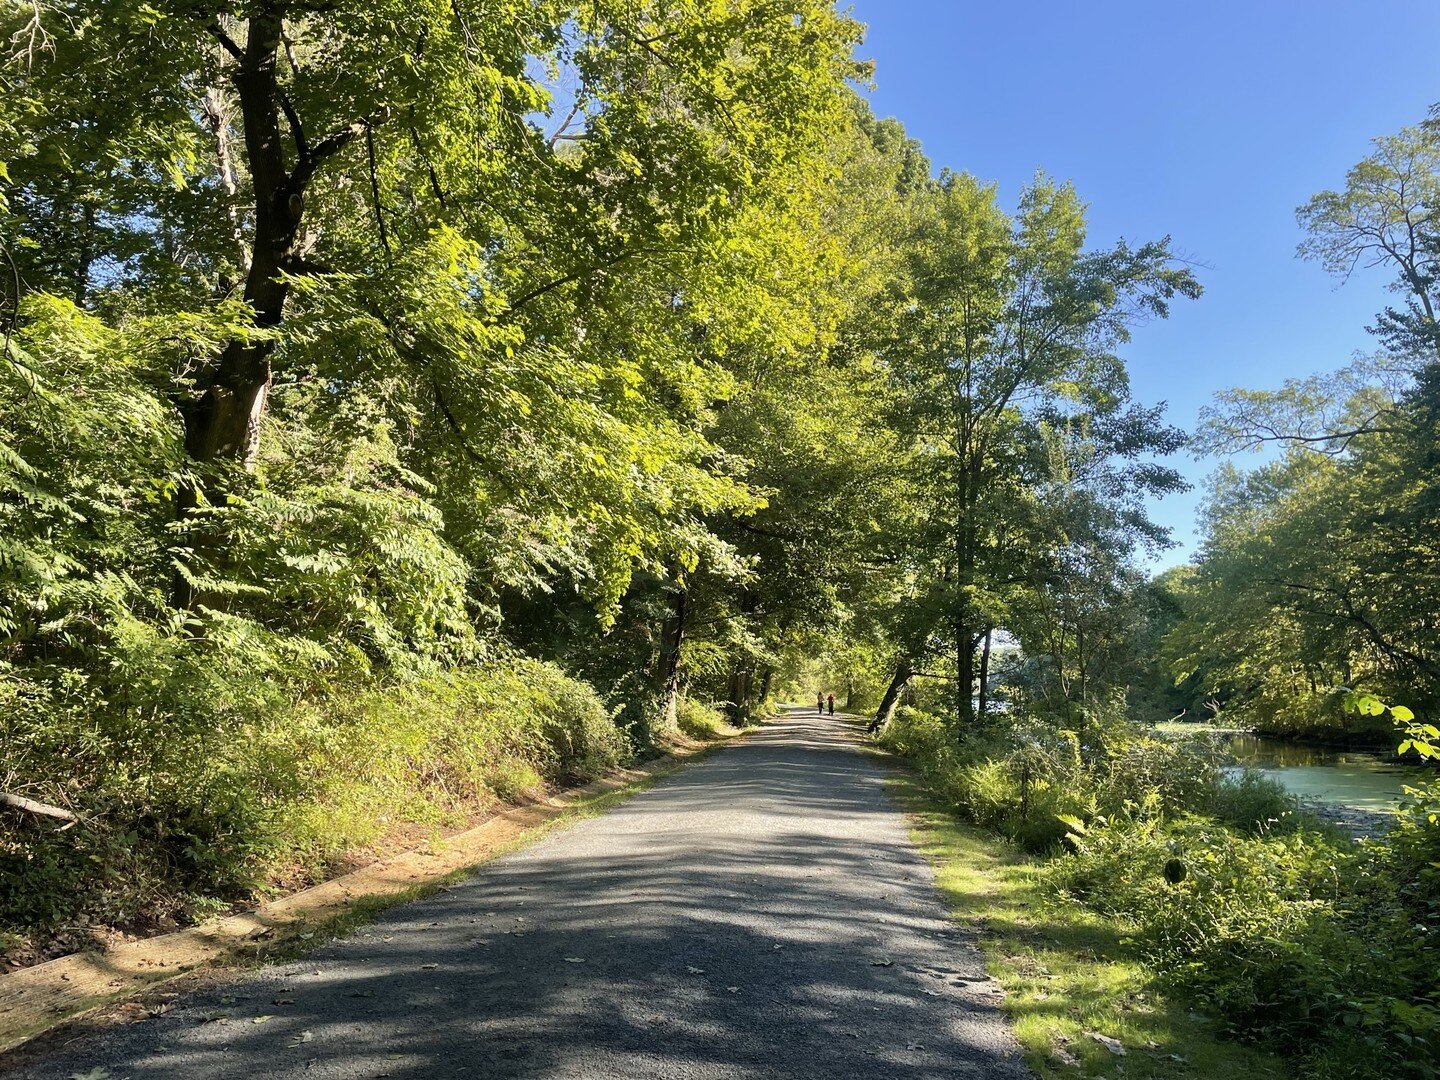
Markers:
{"x": 1296, "y": 937}
{"x": 697, "y": 719}
{"x": 188, "y": 809}
{"x": 1243, "y": 904}
{"x": 1252, "y": 802}
{"x": 325, "y": 685}
{"x": 1024, "y": 778}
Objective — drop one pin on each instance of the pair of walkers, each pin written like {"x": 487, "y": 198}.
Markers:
{"x": 821, "y": 701}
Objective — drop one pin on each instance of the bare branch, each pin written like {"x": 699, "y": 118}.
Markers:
{"x": 30, "y": 39}
{"x": 435, "y": 186}
{"x": 561, "y": 131}
{"x": 566, "y": 279}
{"x": 289, "y": 44}
{"x": 297, "y": 129}
{"x": 19, "y": 802}
{"x": 213, "y": 107}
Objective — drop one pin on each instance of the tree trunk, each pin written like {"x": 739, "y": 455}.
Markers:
{"x": 965, "y": 650}
{"x": 743, "y": 672}
{"x": 667, "y": 667}
{"x": 766, "y": 677}
{"x": 86, "y": 258}
{"x": 984, "y": 676}
{"x": 738, "y": 692}
{"x": 886, "y": 711}
{"x": 222, "y": 423}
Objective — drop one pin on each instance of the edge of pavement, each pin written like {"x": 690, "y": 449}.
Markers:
{"x": 37, "y": 1000}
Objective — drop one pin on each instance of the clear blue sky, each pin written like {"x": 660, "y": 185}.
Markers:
{"x": 1208, "y": 121}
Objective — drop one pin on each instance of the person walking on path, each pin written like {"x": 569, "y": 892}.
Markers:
{"x": 830, "y": 700}
{"x": 820, "y": 702}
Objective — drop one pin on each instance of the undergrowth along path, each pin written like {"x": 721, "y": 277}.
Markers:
{"x": 763, "y": 913}
{"x": 36, "y": 1001}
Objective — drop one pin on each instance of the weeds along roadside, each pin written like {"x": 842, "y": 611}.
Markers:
{"x": 273, "y": 787}
{"x": 1236, "y": 906}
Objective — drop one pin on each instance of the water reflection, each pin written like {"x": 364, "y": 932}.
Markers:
{"x": 1354, "y": 778}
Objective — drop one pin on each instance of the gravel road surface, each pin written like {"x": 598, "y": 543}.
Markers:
{"x": 762, "y": 913}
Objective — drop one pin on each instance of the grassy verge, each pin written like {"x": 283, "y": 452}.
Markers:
{"x": 1068, "y": 975}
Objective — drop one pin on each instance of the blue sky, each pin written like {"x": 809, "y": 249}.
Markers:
{"x": 1209, "y": 121}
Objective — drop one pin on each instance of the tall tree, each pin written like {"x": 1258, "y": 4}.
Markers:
{"x": 1388, "y": 215}
{"x": 1004, "y": 320}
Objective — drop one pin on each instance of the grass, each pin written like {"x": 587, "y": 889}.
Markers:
{"x": 1067, "y": 974}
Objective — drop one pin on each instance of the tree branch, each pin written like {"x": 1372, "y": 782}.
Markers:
{"x": 454, "y": 424}
{"x": 566, "y": 279}
{"x": 331, "y": 145}
{"x": 565, "y": 124}
{"x": 375, "y": 191}
{"x": 435, "y": 186}
{"x": 297, "y": 129}
{"x": 226, "y": 41}
{"x": 19, "y": 802}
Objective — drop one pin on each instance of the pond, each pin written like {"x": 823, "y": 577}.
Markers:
{"x": 1359, "y": 779}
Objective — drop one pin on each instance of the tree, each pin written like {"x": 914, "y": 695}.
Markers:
{"x": 1004, "y": 322}
{"x": 1316, "y": 568}
{"x": 786, "y": 411}
{"x": 428, "y": 128}
{"x": 1316, "y": 572}
{"x": 1386, "y": 216}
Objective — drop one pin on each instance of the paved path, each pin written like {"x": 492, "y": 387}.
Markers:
{"x": 762, "y": 913}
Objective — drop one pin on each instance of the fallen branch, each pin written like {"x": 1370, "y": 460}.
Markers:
{"x": 43, "y": 809}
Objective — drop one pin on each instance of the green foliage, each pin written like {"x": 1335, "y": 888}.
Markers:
{"x": 1294, "y": 938}
{"x": 192, "y": 796}
{"x": 1031, "y": 780}
{"x": 1253, "y": 803}
{"x": 1318, "y": 567}
{"x": 1418, "y": 738}
{"x": 1314, "y": 576}
{"x": 1067, "y": 971}
{"x": 1239, "y": 904}
{"x": 358, "y": 343}
{"x": 1386, "y": 217}
{"x": 698, "y": 720}
{"x": 1020, "y": 444}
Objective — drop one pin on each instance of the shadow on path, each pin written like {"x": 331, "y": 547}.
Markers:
{"x": 760, "y": 914}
